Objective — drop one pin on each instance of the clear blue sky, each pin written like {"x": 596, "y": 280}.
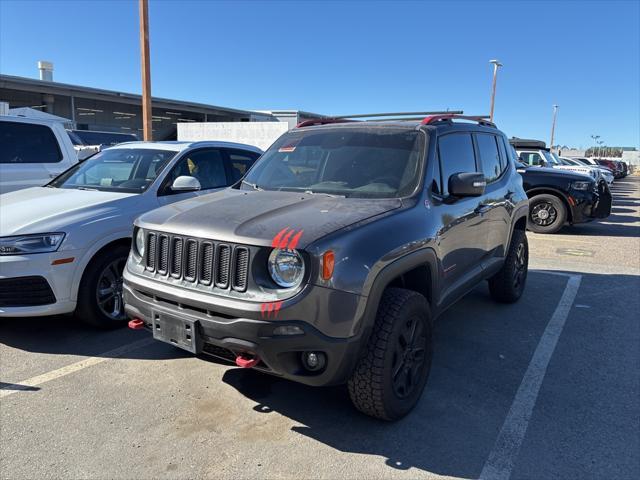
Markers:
{"x": 349, "y": 57}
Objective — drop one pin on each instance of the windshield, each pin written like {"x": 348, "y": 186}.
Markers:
{"x": 369, "y": 162}
{"x": 129, "y": 170}
{"x": 550, "y": 158}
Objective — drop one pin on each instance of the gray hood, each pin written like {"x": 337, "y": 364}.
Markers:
{"x": 264, "y": 217}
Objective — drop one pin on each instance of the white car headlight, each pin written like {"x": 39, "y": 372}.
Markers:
{"x": 286, "y": 267}
{"x": 26, "y": 244}
{"x": 581, "y": 185}
{"x": 140, "y": 242}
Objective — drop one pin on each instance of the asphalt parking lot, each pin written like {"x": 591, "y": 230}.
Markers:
{"x": 545, "y": 388}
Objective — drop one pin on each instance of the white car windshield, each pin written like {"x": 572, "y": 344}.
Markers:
{"x": 129, "y": 170}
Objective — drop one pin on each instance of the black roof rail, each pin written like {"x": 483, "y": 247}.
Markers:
{"x": 480, "y": 119}
{"x": 399, "y": 116}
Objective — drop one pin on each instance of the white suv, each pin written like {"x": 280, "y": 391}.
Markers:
{"x": 32, "y": 152}
{"x": 63, "y": 246}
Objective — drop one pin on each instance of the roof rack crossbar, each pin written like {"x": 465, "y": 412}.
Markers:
{"x": 400, "y": 116}
{"x": 481, "y": 119}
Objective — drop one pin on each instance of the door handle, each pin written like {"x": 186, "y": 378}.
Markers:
{"x": 482, "y": 209}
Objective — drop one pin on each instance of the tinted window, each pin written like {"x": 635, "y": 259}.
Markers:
{"x": 456, "y": 156}
{"x": 489, "y": 156}
{"x": 531, "y": 158}
{"x": 436, "y": 184}
{"x": 239, "y": 163}
{"x": 205, "y": 165}
{"x": 504, "y": 159}
{"x": 369, "y": 162}
{"x": 129, "y": 170}
{"x": 88, "y": 137}
{"x": 27, "y": 143}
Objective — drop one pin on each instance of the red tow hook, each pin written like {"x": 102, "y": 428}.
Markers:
{"x": 136, "y": 324}
{"x": 244, "y": 361}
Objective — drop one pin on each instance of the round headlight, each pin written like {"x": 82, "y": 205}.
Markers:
{"x": 140, "y": 242}
{"x": 286, "y": 267}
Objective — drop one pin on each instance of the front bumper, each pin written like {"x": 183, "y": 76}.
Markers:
{"x": 589, "y": 206}
{"x": 227, "y": 333}
{"x": 16, "y": 268}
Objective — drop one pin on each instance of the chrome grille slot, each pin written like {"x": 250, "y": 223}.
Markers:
{"x": 240, "y": 268}
{"x": 191, "y": 261}
{"x": 206, "y": 263}
{"x": 176, "y": 257}
{"x": 223, "y": 262}
{"x": 151, "y": 252}
{"x": 163, "y": 254}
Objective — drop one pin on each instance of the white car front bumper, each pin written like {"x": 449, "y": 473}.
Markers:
{"x": 14, "y": 287}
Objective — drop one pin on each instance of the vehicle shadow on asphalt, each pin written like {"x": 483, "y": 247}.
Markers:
{"x": 481, "y": 352}
{"x": 64, "y": 335}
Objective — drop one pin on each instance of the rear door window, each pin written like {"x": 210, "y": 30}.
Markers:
{"x": 28, "y": 143}
{"x": 456, "y": 156}
{"x": 239, "y": 162}
{"x": 489, "y": 156}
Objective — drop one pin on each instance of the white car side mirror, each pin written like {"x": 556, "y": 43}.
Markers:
{"x": 186, "y": 183}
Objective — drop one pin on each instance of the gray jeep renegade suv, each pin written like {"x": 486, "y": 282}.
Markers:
{"x": 329, "y": 261}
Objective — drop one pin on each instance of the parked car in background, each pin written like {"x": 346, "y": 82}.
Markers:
{"x": 88, "y": 142}
{"x": 32, "y": 152}
{"x": 559, "y": 197}
{"x": 620, "y": 169}
{"x": 63, "y": 246}
{"x": 604, "y": 172}
{"x": 327, "y": 264}
{"x": 536, "y": 153}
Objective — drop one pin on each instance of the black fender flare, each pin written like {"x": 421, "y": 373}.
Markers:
{"x": 370, "y": 302}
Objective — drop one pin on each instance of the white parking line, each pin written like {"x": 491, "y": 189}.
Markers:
{"x": 74, "y": 367}
{"x": 502, "y": 458}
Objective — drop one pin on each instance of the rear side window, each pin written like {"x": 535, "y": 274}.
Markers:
{"x": 239, "y": 162}
{"x": 531, "y": 158}
{"x": 489, "y": 156}
{"x": 456, "y": 156}
{"x": 27, "y": 143}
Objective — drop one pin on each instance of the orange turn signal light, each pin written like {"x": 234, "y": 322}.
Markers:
{"x": 62, "y": 261}
{"x": 328, "y": 262}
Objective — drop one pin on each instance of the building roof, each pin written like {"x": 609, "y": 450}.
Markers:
{"x": 41, "y": 86}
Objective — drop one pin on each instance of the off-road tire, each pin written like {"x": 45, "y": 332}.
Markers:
{"x": 558, "y": 206}
{"x": 507, "y": 285}
{"x": 87, "y": 309}
{"x": 371, "y": 386}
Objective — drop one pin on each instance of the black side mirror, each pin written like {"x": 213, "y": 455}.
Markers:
{"x": 467, "y": 184}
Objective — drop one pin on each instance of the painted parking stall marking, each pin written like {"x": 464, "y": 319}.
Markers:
{"x": 27, "y": 385}
{"x": 505, "y": 450}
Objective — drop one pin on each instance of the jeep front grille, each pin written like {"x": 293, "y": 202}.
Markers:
{"x": 198, "y": 261}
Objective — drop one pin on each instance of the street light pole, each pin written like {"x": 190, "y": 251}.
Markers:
{"x": 496, "y": 65}
{"x": 146, "y": 71}
{"x": 553, "y": 125}
{"x": 595, "y": 141}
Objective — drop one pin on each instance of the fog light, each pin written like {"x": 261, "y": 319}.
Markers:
{"x": 314, "y": 361}
{"x": 288, "y": 330}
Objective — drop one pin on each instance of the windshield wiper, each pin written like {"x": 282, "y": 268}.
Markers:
{"x": 87, "y": 188}
{"x": 333, "y": 195}
{"x": 252, "y": 185}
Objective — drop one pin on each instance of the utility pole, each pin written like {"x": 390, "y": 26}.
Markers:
{"x": 600, "y": 143}
{"x": 553, "y": 126}
{"x": 147, "y": 125}
{"x": 496, "y": 65}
